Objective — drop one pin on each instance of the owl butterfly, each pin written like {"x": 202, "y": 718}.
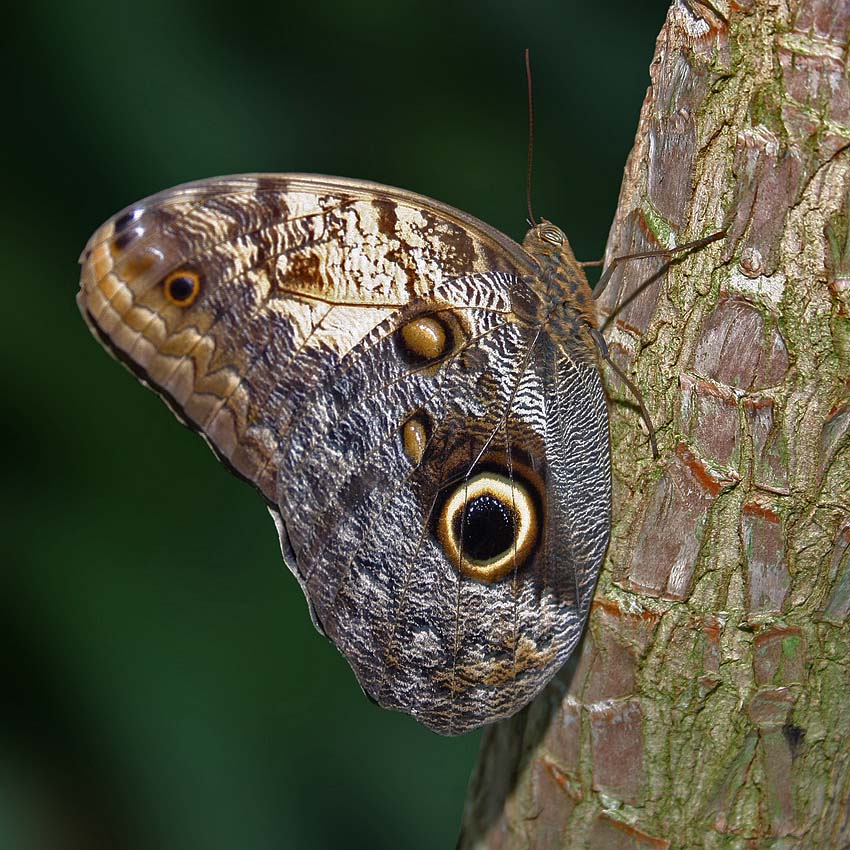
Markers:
{"x": 416, "y": 397}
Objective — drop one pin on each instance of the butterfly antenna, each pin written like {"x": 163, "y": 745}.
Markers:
{"x": 531, "y": 219}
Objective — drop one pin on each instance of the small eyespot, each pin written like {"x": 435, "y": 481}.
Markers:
{"x": 552, "y": 234}
{"x": 125, "y": 238}
{"x": 125, "y": 220}
{"x": 182, "y": 287}
{"x": 425, "y": 338}
{"x": 428, "y": 338}
{"x": 415, "y": 433}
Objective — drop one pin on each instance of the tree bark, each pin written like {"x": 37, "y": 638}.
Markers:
{"x": 710, "y": 702}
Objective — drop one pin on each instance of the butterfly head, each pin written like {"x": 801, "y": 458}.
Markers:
{"x": 551, "y": 251}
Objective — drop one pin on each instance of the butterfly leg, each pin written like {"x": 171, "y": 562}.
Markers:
{"x": 606, "y": 356}
{"x": 600, "y": 284}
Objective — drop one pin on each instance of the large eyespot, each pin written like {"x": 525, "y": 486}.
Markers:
{"x": 489, "y": 525}
{"x": 552, "y": 234}
{"x": 182, "y": 287}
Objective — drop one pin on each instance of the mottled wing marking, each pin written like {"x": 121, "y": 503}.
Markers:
{"x": 422, "y": 656}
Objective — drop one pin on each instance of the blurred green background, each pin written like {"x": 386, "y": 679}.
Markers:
{"x": 163, "y": 686}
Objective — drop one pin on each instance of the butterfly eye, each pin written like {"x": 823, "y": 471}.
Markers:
{"x": 182, "y": 287}
{"x": 552, "y": 234}
{"x": 488, "y": 526}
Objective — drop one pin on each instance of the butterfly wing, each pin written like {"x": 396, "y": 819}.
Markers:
{"x": 351, "y": 350}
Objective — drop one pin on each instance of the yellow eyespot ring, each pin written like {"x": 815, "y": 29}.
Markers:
{"x": 182, "y": 287}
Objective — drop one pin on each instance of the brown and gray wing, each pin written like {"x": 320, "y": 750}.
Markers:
{"x": 360, "y": 512}
{"x": 350, "y": 349}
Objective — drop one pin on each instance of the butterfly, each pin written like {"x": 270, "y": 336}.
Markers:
{"x": 416, "y": 397}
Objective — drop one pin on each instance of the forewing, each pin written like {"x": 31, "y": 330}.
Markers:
{"x": 293, "y": 271}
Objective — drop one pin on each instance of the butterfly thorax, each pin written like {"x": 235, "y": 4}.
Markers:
{"x": 560, "y": 296}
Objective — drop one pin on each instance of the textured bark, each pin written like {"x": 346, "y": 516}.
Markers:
{"x": 710, "y": 703}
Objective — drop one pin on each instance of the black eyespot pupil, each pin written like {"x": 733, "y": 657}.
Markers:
{"x": 486, "y": 528}
{"x": 181, "y": 288}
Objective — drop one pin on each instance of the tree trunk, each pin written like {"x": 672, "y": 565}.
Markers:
{"x": 710, "y": 703}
